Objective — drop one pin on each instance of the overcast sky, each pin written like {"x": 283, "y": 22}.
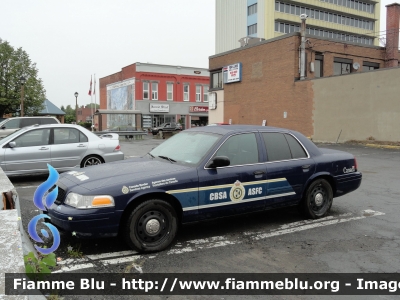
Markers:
{"x": 72, "y": 40}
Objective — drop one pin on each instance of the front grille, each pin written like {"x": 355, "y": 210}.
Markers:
{"x": 60, "y": 196}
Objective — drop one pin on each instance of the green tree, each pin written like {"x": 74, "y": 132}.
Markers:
{"x": 15, "y": 63}
{"x": 96, "y": 106}
{"x": 69, "y": 114}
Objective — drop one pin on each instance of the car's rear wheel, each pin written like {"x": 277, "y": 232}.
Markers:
{"x": 318, "y": 199}
{"x": 151, "y": 226}
{"x": 91, "y": 160}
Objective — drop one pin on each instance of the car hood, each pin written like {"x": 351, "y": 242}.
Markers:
{"x": 119, "y": 172}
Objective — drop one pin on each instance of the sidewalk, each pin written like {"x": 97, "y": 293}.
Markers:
{"x": 11, "y": 258}
{"x": 14, "y": 241}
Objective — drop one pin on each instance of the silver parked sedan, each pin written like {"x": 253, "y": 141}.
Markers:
{"x": 63, "y": 146}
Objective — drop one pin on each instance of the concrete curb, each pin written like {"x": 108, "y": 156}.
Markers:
{"x": 382, "y": 146}
{"x": 14, "y": 241}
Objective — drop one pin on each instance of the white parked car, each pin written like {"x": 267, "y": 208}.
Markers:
{"x": 63, "y": 146}
{"x": 8, "y": 126}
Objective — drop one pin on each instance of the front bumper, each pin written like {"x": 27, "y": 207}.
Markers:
{"x": 87, "y": 223}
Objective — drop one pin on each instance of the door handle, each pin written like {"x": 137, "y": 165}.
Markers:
{"x": 44, "y": 148}
{"x": 306, "y": 166}
{"x": 260, "y": 172}
{"x": 81, "y": 145}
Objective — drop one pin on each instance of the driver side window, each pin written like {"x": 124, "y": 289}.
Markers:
{"x": 241, "y": 149}
{"x": 33, "y": 138}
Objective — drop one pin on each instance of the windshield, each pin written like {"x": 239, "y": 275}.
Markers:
{"x": 187, "y": 148}
{"x": 2, "y": 122}
{"x": 11, "y": 135}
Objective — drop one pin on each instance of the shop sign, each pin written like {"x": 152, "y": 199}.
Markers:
{"x": 198, "y": 109}
{"x": 155, "y": 107}
{"x": 233, "y": 73}
{"x": 212, "y": 100}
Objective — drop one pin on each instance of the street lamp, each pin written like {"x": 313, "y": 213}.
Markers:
{"x": 76, "y": 107}
{"x": 22, "y": 80}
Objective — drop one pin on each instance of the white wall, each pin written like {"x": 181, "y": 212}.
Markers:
{"x": 230, "y": 24}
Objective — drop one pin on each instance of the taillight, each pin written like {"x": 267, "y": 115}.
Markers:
{"x": 355, "y": 163}
{"x": 117, "y": 148}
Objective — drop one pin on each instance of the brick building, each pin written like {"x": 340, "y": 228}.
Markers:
{"x": 85, "y": 114}
{"x": 160, "y": 93}
{"x": 347, "y": 20}
{"x": 270, "y": 88}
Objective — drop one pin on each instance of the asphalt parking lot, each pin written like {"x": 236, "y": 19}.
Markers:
{"x": 360, "y": 235}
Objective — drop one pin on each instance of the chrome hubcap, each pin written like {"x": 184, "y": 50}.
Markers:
{"x": 319, "y": 199}
{"x": 152, "y": 226}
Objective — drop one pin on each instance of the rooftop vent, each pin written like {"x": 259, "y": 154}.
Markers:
{"x": 249, "y": 40}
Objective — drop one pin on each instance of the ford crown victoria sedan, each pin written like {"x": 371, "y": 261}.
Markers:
{"x": 201, "y": 173}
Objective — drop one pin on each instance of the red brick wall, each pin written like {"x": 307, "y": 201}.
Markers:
{"x": 268, "y": 87}
{"x": 162, "y": 79}
{"x": 392, "y": 34}
{"x": 270, "y": 84}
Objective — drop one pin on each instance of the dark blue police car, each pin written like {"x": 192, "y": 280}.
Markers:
{"x": 198, "y": 174}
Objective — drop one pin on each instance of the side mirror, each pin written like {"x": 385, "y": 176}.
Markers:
{"x": 3, "y": 127}
{"x": 12, "y": 144}
{"x": 218, "y": 161}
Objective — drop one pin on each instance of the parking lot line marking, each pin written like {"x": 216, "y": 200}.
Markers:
{"x": 370, "y": 213}
{"x": 72, "y": 260}
{"x": 25, "y": 187}
{"x": 120, "y": 260}
{"x": 218, "y": 241}
{"x": 74, "y": 268}
{"x": 112, "y": 254}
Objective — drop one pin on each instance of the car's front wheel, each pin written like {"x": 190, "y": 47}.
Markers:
{"x": 318, "y": 199}
{"x": 91, "y": 161}
{"x": 151, "y": 226}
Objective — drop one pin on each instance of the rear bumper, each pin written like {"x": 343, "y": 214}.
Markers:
{"x": 347, "y": 183}
{"x": 115, "y": 156}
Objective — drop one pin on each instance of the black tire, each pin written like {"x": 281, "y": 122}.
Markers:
{"x": 152, "y": 215}
{"x": 91, "y": 160}
{"x": 318, "y": 199}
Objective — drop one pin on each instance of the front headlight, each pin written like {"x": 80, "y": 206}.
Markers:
{"x": 84, "y": 202}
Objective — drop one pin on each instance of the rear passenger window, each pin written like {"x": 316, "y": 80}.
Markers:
{"x": 29, "y": 122}
{"x": 241, "y": 149}
{"x": 296, "y": 149}
{"x": 82, "y": 138}
{"x": 66, "y": 136}
{"x": 277, "y": 146}
{"x": 48, "y": 121}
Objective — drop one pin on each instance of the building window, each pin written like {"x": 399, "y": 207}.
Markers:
{"x": 318, "y": 66}
{"x": 205, "y": 93}
{"x": 145, "y": 90}
{"x": 170, "y": 91}
{"x": 154, "y": 91}
{"x": 198, "y": 93}
{"x": 216, "y": 80}
{"x": 252, "y": 9}
{"x": 325, "y": 16}
{"x": 186, "y": 92}
{"x": 252, "y": 29}
{"x": 370, "y": 66}
{"x": 342, "y": 66}
{"x": 289, "y": 28}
